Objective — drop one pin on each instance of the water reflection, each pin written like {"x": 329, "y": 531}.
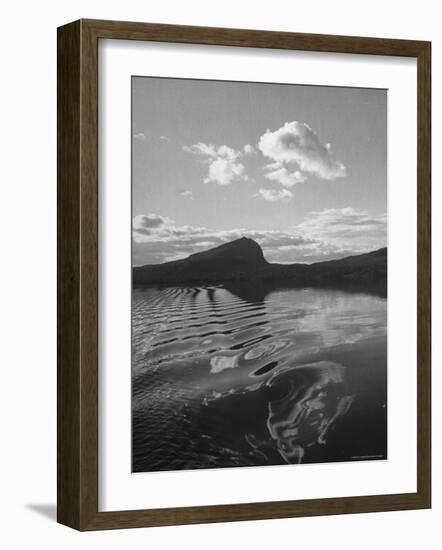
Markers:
{"x": 312, "y": 402}
{"x": 286, "y": 376}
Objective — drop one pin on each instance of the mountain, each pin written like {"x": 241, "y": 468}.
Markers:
{"x": 233, "y": 260}
{"x": 242, "y": 261}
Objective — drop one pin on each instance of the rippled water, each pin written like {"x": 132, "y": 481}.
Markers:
{"x": 223, "y": 379}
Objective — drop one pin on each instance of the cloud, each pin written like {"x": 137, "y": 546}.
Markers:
{"x": 145, "y": 224}
{"x": 187, "y": 193}
{"x": 343, "y": 220}
{"x": 347, "y": 226}
{"x": 164, "y": 138}
{"x": 275, "y": 194}
{"x": 140, "y": 136}
{"x": 249, "y": 150}
{"x": 201, "y": 149}
{"x": 225, "y": 171}
{"x": 284, "y": 176}
{"x": 297, "y": 145}
{"x": 324, "y": 235}
{"x": 224, "y": 163}
{"x": 156, "y": 228}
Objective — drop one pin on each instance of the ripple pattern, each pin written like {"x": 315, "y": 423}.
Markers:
{"x": 220, "y": 381}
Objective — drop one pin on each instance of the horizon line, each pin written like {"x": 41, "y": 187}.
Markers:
{"x": 270, "y": 263}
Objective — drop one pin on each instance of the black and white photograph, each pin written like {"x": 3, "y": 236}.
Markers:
{"x": 220, "y": 268}
{"x": 259, "y": 274}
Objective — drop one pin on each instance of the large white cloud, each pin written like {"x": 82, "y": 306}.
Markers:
{"x": 296, "y": 145}
{"x": 224, "y": 163}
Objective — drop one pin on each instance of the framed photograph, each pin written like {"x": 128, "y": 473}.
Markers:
{"x": 243, "y": 275}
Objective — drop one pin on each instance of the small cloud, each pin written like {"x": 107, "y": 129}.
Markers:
{"x": 275, "y": 194}
{"x": 285, "y": 177}
{"x": 224, "y": 163}
{"x": 273, "y": 166}
{"x": 201, "y": 149}
{"x": 145, "y": 224}
{"x": 154, "y": 227}
{"x": 187, "y": 193}
{"x": 140, "y": 136}
{"x": 164, "y": 138}
{"x": 249, "y": 150}
{"x": 224, "y": 171}
{"x": 297, "y": 144}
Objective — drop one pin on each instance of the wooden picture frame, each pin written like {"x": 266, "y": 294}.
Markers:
{"x": 78, "y": 274}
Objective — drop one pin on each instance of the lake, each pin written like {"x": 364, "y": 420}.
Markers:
{"x": 242, "y": 377}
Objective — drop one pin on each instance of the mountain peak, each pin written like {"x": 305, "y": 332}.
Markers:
{"x": 243, "y": 250}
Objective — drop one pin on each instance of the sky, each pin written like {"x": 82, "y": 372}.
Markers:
{"x": 300, "y": 169}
